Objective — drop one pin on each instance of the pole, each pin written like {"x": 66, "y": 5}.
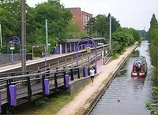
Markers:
{"x": 45, "y": 57}
{"x": 46, "y": 35}
{"x": 32, "y": 52}
{"x": 1, "y": 34}
{"x": 12, "y": 56}
{"x": 23, "y": 35}
{"x": 110, "y": 34}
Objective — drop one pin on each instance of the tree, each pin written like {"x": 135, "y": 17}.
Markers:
{"x": 58, "y": 18}
{"x": 90, "y": 26}
{"x": 154, "y": 60}
{"x": 153, "y": 46}
{"x": 99, "y": 26}
{"x": 122, "y": 38}
{"x": 73, "y": 31}
{"x": 153, "y": 22}
{"x": 135, "y": 34}
{"x": 114, "y": 24}
{"x": 10, "y": 15}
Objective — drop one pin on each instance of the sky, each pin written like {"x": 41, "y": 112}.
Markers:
{"x": 135, "y": 14}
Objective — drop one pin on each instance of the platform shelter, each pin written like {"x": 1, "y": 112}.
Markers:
{"x": 69, "y": 45}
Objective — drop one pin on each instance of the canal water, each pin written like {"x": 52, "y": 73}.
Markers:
{"x": 127, "y": 95}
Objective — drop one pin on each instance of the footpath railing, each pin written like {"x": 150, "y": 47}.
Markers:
{"x": 15, "y": 90}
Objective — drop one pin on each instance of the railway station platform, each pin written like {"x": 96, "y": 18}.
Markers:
{"x": 83, "y": 103}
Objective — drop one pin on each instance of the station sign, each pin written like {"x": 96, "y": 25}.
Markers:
{"x": 11, "y": 48}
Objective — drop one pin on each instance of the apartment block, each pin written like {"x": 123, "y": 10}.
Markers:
{"x": 80, "y": 17}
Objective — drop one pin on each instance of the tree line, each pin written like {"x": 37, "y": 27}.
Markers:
{"x": 60, "y": 26}
{"x": 153, "y": 50}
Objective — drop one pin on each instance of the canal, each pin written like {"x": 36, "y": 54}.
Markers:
{"x": 127, "y": 95}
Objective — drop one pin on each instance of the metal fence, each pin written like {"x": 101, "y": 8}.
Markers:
{"x": 12, "y": 58}
{"x": 9, "y": 58}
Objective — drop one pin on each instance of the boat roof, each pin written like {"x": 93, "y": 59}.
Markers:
{"x": 141, "y": 59}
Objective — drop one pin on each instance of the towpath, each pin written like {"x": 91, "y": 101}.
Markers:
{"x": 82, "y": 99}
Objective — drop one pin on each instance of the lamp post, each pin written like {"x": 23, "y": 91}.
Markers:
{"x": 46, "y": 26}
{"x": 45, "y": 53}
{"x": 32, "y": 49}
{"x": 23, "y": 35}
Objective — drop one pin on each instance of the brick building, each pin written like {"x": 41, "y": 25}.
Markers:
{"x": 80, "y": 17}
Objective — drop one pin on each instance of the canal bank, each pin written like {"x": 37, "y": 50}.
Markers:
{"x": 88, "y": 97}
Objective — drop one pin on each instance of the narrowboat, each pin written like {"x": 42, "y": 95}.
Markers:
{"x": 139, "y": 68}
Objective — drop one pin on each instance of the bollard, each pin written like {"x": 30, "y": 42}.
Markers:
{"x": 84, "y": 72}
{"x": 46, "y": 86}
{"x": 12, "y": 92}
{"x": 66, "y": 81}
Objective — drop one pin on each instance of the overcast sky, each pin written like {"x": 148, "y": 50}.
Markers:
{"x": 130, "y": 13}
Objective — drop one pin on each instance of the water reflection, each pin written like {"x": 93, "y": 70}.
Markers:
{"x": 137, "y": 84}
{"x": 132, "y": 93}
{"x": 135, "y": 53}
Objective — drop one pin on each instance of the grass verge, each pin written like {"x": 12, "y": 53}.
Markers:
{"x": 50, "y": 106}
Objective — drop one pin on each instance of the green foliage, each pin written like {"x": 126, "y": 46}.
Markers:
{"x": 149, "y": 106}
{"x": 154, "y": 60}
{"x": 58, "y": 22}
{"x": 52, "y": 41}
{"x": 153, "y": 31}
{"x": 99, "y": 26}
{"x": 144, "y": 34}
{"x": 58, "y": 18}
{"x": 155, "y": 91}
{"x": 123, "y": 38}
{"x": 116, "y": 49}
{"x": 43, "y": 100}
{"x": 153, "y": 107}
{"x": 73, "y": 31}
{"x": 60, "y": 26}
{"x": 135, "y": 34}
{"x": 153, "y": 22}
{"x": 10, "y": 15}
{"x": 154, "y": 49}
